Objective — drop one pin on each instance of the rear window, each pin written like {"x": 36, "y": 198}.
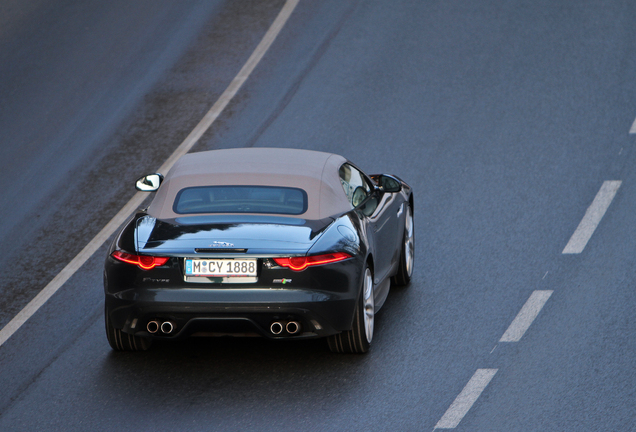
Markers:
{"x": 241, "y": 199}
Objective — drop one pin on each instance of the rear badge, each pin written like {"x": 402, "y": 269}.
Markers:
{"x": 220, "y": 244}
{"x": 283, "y": 281}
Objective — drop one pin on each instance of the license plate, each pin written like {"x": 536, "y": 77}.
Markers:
{"x": 220, "y": 267}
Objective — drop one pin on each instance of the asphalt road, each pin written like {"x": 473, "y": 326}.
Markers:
{"x": 506, "y": 117}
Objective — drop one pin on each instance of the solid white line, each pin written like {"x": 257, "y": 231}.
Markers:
{"x": 138, "y": 198}
{"x": 632, "y": 130}
{"x": 592, "y": 218}
{"x": 466, "y": 399}
{"x": 526, "y": 316}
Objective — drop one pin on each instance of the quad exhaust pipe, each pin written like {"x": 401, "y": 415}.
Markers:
{"x": 291, "y": 327}
{"x": 166, "y": 327}
{"x": 276, "y": 328}
{"x": 153, "y": 327}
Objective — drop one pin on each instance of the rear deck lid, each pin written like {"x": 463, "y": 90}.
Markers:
{"x": 227, "y": 234}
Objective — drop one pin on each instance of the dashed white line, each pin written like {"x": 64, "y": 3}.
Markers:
{"x": 138, "y": 198}
{"x": 632, "y": 130}
{"x": 592, "y": 218}
{"x": 526, "y": 316}
{"x": 469, "y": 395}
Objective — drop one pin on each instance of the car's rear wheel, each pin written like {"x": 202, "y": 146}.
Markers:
{"x": 120, "y": 341}
{"x": 358, "y": 339}
{"x": 407, "y": 257}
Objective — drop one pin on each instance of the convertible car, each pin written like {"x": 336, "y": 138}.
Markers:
{"x": 278, "y": 243}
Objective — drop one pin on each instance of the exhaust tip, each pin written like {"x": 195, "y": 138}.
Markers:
{"x": 167, "y": 327}
{"x": 153, "y": 327}
{"x": 293, "y": 327}
{"x": 276, "y": 328}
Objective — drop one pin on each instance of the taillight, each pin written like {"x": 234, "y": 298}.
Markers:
{"x": 145, "y": 262}
{"x": 301, "y": 263}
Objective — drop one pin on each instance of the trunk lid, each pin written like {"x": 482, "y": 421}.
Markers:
{"x": 223, "y": 234}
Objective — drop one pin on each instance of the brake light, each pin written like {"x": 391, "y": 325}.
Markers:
{"x": 301, "y": 263}
{"x": 144, "y": 262}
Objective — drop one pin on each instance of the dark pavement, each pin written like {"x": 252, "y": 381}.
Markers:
{"x": 505, "y": 117}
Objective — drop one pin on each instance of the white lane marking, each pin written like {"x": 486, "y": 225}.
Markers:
{"x": 592, "y": 218}
{"x": 138, "y": 198}
{"x": 632, "y": 130}
{"x": 526, "y": 316}
{"x": 458, "y": 409}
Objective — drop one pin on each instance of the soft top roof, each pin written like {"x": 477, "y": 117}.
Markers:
{"x": 314, "y": 172}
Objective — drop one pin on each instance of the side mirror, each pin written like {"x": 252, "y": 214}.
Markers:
{"x": 387, "y": 183}
{"x": 149, "y": 183}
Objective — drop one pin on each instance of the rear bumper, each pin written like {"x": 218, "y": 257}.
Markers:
{"x": 239, "y": 312}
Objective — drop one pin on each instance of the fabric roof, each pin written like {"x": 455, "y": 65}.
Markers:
{"x": 313, "y": 171}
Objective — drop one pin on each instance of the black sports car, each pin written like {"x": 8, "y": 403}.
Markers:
{"x": 280, "y": 243}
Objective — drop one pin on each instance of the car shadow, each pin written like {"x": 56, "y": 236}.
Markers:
{"x": 245, "y": 383}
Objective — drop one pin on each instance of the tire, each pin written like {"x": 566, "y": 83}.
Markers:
{"x": 358, "y": 339}
{"x": 407, "y": 255}
{"x": 120, "y": 341}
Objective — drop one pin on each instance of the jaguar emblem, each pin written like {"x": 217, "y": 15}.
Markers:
{"x": 221, "y": 244}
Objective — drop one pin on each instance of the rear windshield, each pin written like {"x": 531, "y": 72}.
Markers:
{"x": 241, "y": 199}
